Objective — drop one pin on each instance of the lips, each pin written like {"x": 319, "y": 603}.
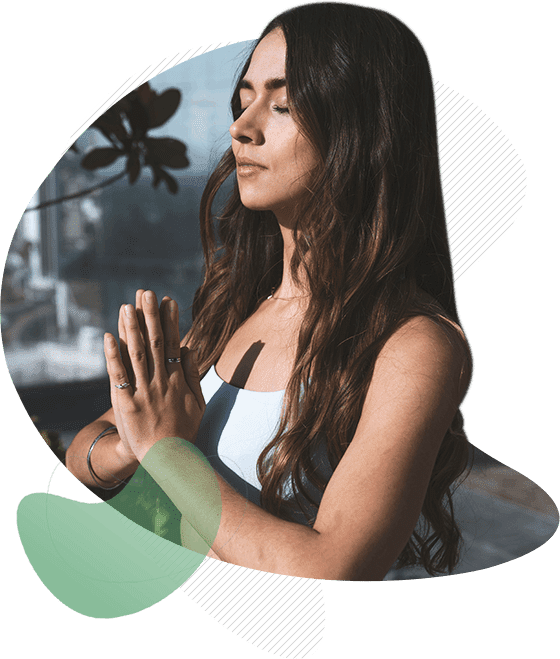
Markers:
{"x": 247, "y": 162}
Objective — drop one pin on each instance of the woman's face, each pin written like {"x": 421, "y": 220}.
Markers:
{"x": 274, "y": 160}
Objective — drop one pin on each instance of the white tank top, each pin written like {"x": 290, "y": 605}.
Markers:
{"x": 236, "y": 427}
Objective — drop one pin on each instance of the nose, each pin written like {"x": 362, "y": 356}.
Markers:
{"x": 248, "y": 126}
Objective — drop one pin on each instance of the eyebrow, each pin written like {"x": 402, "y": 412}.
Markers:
{"x": 270, "y": 85}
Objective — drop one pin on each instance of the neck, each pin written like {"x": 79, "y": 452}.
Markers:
{"x": 288, "y": 288}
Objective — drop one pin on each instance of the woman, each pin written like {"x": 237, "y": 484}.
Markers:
{"x": 326, "y": 327}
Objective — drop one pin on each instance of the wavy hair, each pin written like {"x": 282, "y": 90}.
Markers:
{"x": 370, "y": 235}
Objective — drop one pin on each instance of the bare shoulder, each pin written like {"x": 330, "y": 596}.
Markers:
{"x": 423, "y": 333}
{"x": 424, "y": 350}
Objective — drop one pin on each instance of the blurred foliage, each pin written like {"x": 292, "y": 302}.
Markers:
{"x": 126, "y": 124}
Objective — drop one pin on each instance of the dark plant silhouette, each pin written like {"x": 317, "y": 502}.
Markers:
{"x": 125, "y": 125}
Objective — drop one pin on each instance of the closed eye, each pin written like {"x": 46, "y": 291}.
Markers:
{"x": 276, "y": 108}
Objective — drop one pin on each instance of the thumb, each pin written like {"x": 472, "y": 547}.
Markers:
{"x": 192, "y": 376}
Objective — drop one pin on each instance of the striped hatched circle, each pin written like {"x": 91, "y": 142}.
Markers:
{"x": 278, "y": 614}
{"x": 483, "y": 178}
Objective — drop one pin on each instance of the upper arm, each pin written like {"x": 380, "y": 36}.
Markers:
{"x": 374, "y": 498}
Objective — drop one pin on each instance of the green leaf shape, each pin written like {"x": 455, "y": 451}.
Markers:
{"x": 95, "y": 560}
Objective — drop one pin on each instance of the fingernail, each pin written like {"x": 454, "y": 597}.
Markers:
{"x": 171, "y": 306}
{"x": 150, "y": 297}
{"x": 129, "y": 310}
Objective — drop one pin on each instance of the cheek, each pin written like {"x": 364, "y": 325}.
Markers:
{"x": 304, "y": 167}
{"x": 305, "y": 157}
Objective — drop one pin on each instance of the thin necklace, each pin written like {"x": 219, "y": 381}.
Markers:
{"x": 287, "y": 299}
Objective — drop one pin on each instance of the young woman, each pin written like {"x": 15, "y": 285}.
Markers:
{"x": 326, "y": 332}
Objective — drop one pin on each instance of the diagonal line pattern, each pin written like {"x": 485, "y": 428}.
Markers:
{"x": 282, "y": 615}
{"x": 483, "y": 178}
{"x": 125, "y": 88}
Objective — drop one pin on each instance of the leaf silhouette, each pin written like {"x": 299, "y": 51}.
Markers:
{"x": 170, "y": 182}
{"x": 133, "y": 167}
{"x": 145, "y": 93}
{"x": 111, "y": 125}
{"x": 125, "y": 125}
{"x": 163, "y": 106}
{"x": 138, "y": 117}
{"x": 166, "y": 151}
{"x": 161, "y": 175}
{"x": 102, "y": 157}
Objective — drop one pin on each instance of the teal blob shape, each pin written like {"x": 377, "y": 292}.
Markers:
{"x": 95, "y": 560}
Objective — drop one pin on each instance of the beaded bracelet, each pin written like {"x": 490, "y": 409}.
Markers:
{"x": 94, "y": 476}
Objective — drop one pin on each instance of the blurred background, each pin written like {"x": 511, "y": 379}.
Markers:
{"x": 72, "y": 264}
{"x": 120, "y": 212}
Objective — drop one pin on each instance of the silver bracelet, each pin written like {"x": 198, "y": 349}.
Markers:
{"x": 94, "y": 476}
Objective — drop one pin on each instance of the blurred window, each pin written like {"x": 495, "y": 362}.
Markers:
{"x": 72, "y": 264}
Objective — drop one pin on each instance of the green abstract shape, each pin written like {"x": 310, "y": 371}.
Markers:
{"x": 177, "y": 562}
{"x": 96, "y": 561}
{"x": 196, "y": 496}
{"x": 144, "y": 502}
{"x": 118, "y": 557}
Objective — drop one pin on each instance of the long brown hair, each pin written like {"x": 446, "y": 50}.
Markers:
{"x": 371, "y": 234}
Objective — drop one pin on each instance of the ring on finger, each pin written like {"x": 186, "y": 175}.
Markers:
{"x": 124, "y": 385}
{"x": 174, "y": 360}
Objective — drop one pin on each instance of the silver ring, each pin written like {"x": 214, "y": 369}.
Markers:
{"x": 174, "y": 360}
{"x": 124, "y": 385}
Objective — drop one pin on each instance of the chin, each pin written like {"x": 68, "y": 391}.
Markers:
{"x": 253, "y": 203}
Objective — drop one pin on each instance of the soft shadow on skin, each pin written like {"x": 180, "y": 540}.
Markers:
{"x": 245, "y": 366}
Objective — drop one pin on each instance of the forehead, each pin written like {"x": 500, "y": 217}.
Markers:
{"x": 269, "y": 58}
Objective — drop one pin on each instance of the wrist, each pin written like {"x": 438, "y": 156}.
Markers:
{"x": 125, "y": 456}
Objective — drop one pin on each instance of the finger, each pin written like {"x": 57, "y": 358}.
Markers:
{"x": 172, "y": 348}
{"x": 140, "y": 312}
{"x": 164, "y": 300}
{"x": 154, "y": 336}
{"x": 162, "y": 311}
{"x": 115, "y": 368}
{"x": 136, "y": 347}
{"x": 192, "y": 374}
{"x": 123, "y": 343}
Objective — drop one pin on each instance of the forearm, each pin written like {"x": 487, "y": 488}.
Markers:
{"x": 252, "y": 537}
{"x": 235, "y": 530}
{"x": 107, "y": 458}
